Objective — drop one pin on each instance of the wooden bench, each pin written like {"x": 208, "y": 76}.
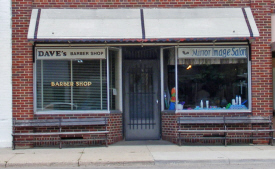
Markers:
{"x": 60, "y": 123}
{"x": 224, "y": 131}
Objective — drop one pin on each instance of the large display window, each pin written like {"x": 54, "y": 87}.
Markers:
{"x": 77, "y": 79}
{"x": 209, "y": 78}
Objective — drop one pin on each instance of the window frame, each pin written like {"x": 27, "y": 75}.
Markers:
{"x": 106, "y": 49}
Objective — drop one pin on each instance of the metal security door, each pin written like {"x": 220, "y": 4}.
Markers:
{"x": 141, "y": 102}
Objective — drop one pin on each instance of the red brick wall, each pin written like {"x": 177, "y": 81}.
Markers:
{"x": 22, "y": 70}
{"x": 22, "y": 66}
{"x": 262, "y": 60}
{"x": 169, "y": 127}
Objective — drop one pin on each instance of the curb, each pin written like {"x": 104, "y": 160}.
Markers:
{"x": 78, "y": 164}
{"x": 140, "y": 163}
{"x": 50, "y": 164}
{"x": 126, "y": 163}
{"x": 161, "y": 162}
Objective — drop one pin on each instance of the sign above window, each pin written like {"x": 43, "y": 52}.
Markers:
{"x": 213, "y": 52}
{"x": 70, "y": 53}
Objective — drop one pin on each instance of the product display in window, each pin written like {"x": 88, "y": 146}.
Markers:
{"x": 213, "y": 87}
{"x": 173, "y": 99}
{"x": 206, "y": 82}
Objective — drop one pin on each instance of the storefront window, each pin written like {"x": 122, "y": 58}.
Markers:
{"x": 71, "y": 79}
{"x": 217, "y": 80}
{"x": 71, "y": 84}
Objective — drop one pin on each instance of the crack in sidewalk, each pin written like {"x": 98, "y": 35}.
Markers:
{"x": 154, "y": 161}
{"x": 78, "y": 161}
{"x": 6, "y": 162}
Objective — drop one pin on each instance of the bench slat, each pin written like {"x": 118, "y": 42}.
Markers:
{"x": 199, "y": 120}
{"x": 249, "y": 137}
{"x": 247, "y": 120}
{"x": 225, "y": 131}
{"x": 203, "y": 138}
{"x": 250, "y": 131}
{"x": 82, "y": 140}
{"x": 92, "y": 123}
{"x": 62, "y": 122}
{"x": 202, "y": 131}
{"x": 67, "y": 140}
{"x": 60, "y": 133}
{"x": 84, "y": 119}
{"x": 37, "y": 125}
{"x": 36, "y": 121}
{"x": 84, "y": 122}
{"x": 222, "y": 120}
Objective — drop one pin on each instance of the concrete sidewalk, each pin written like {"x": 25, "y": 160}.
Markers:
{"x": 137, "y": 152}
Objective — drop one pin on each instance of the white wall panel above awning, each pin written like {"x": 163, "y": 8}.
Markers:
{"x": 174, "y": 24}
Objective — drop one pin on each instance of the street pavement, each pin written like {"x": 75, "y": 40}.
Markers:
{"x": 137, "y": 153}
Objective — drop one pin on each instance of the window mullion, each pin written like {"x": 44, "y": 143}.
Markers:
{"x": 176, "y": 77}
{"x": 101, "y": 94}
{"x": 42, "y": 85}
{"x": 72, "y": 107}
{"x": 108, "y": 81}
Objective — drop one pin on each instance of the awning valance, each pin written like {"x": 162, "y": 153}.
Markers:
{"x": 135, "y": 25}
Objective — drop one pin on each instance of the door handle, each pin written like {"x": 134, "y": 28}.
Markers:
{"x": 157, "y": 101}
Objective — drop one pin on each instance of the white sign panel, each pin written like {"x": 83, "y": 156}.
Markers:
{"x": 210, "y": 52}
{"x": 70, "y": 53}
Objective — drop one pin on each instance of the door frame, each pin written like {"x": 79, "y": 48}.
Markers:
{"x": 159, "y": 79}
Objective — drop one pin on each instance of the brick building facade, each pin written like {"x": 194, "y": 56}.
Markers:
{"x": 23, "y": 76}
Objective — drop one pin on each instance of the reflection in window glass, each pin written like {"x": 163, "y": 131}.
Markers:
{"x": 217, "y": 85}
{"x": 205, "y": 83}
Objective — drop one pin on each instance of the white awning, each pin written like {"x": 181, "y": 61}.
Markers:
{"x": 141, "y": 24}
{"x": 272, "y": 46}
